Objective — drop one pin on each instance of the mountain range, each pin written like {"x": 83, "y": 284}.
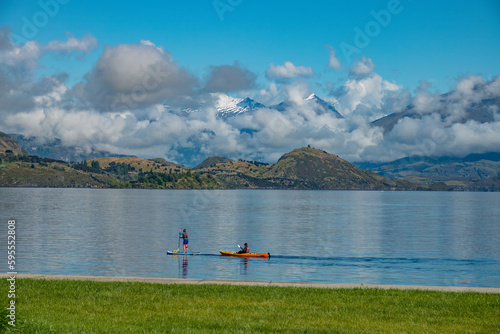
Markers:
{"x": 228, "y": 106}
{"x": 451, "y": 107}
{"x": 313, "y": 102}
{"x": 447, "y": 106}
{"x": 305, "y": 168}
{"x": 54, "y": 149}
{"x": 461, "y": 108}
{"x": 473, "y": 172}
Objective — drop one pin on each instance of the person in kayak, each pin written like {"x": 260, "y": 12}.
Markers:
{"x": 185, "y": 241}
{"x": 244, "y": 249}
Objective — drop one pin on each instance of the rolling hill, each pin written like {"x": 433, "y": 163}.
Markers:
{"x": 303, "y": 168}
{"x": 9, "y": 145}
{"x": 475, "y": 172}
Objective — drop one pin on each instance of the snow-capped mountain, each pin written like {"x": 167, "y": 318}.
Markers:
{"x": 228, "y": 106}
{"x": 250, "y": 104}
{"x": 320, "y": 106}
{"x": 314, "y": 102}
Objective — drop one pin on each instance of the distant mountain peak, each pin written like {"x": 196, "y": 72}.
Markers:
{"x": 321, "y": 106}
{"x": 228, "y": 106}
{"x": 224, "y": 101}
{"x": 250, "y": 104}
{"x": 312, "y": 97}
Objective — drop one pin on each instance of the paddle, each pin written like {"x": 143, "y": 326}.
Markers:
{"x": 242, "y": 250}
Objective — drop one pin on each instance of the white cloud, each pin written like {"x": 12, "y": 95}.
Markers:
{"x": 426, "y": 102}
{"x": 18, "y": 60}
{"x": 134, "y": 76}
{"x": 333, "y": 62}
{"x": 264, "y": 134}
{"x": 297, "y": 91}
{"x": 287, "y": 71}
{"x": 84, "y": 45}
{"x": 390, "y": 86}
{"x": 466, "y": 86}
{"x": 367, "y": 91}
{"x": 472, "y": 137}
{"x": 142, "y": 76}
{"x": 229, "y": 78}
{"x": 362, "y": 67}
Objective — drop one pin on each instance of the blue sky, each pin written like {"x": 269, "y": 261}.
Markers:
{"x": 426, "y": 40}
{"x": 98, "y": 73}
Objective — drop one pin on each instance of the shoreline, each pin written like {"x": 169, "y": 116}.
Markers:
{"x": 270, "y": 189}
{"x": 193, "y": 281}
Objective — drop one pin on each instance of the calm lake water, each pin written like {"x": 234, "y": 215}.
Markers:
{"x": 426, "y": 238}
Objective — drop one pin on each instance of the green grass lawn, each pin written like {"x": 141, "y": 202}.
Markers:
{"x": 59, "y": 306}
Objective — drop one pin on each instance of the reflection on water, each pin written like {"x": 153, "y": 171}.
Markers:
{"x": 185, "y": 266}
{"x": 433, "y": 238}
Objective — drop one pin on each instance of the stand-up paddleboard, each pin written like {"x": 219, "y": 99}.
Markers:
{"x": 175, "y": 252}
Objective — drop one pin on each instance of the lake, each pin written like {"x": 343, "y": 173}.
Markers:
{"x": 369, "y": 237}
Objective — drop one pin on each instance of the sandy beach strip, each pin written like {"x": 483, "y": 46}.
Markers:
{"x": 253, "y": 283}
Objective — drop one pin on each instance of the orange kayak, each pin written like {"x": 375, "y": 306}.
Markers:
{"x": 265, "y": 255}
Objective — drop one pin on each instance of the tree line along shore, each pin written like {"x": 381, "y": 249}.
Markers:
{"x": 305, "y": 168}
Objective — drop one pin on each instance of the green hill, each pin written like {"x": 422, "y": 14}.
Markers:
{"x": 473, "y": 172}
{"x": 10, "y": 146}
{"x": 33, "y": 171}
{"x": 213, "y": 161}
{"x": 305, "y": 168}
{"x": 311, "y": 168}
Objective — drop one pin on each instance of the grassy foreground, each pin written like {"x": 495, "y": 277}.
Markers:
{"x": 58, "y": 306}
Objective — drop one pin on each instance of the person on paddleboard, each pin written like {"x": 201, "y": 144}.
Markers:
{"x": 185, "y": 241}
{"x": 244, "y": 249}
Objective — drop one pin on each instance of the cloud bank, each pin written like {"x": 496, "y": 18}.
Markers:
{"x": 120, "y": 107}
{"x": 333, "y": 61}
{"x": 136, "y": 76}
{"x": 229, "y": 78}
{"x": 84, "y": 45}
